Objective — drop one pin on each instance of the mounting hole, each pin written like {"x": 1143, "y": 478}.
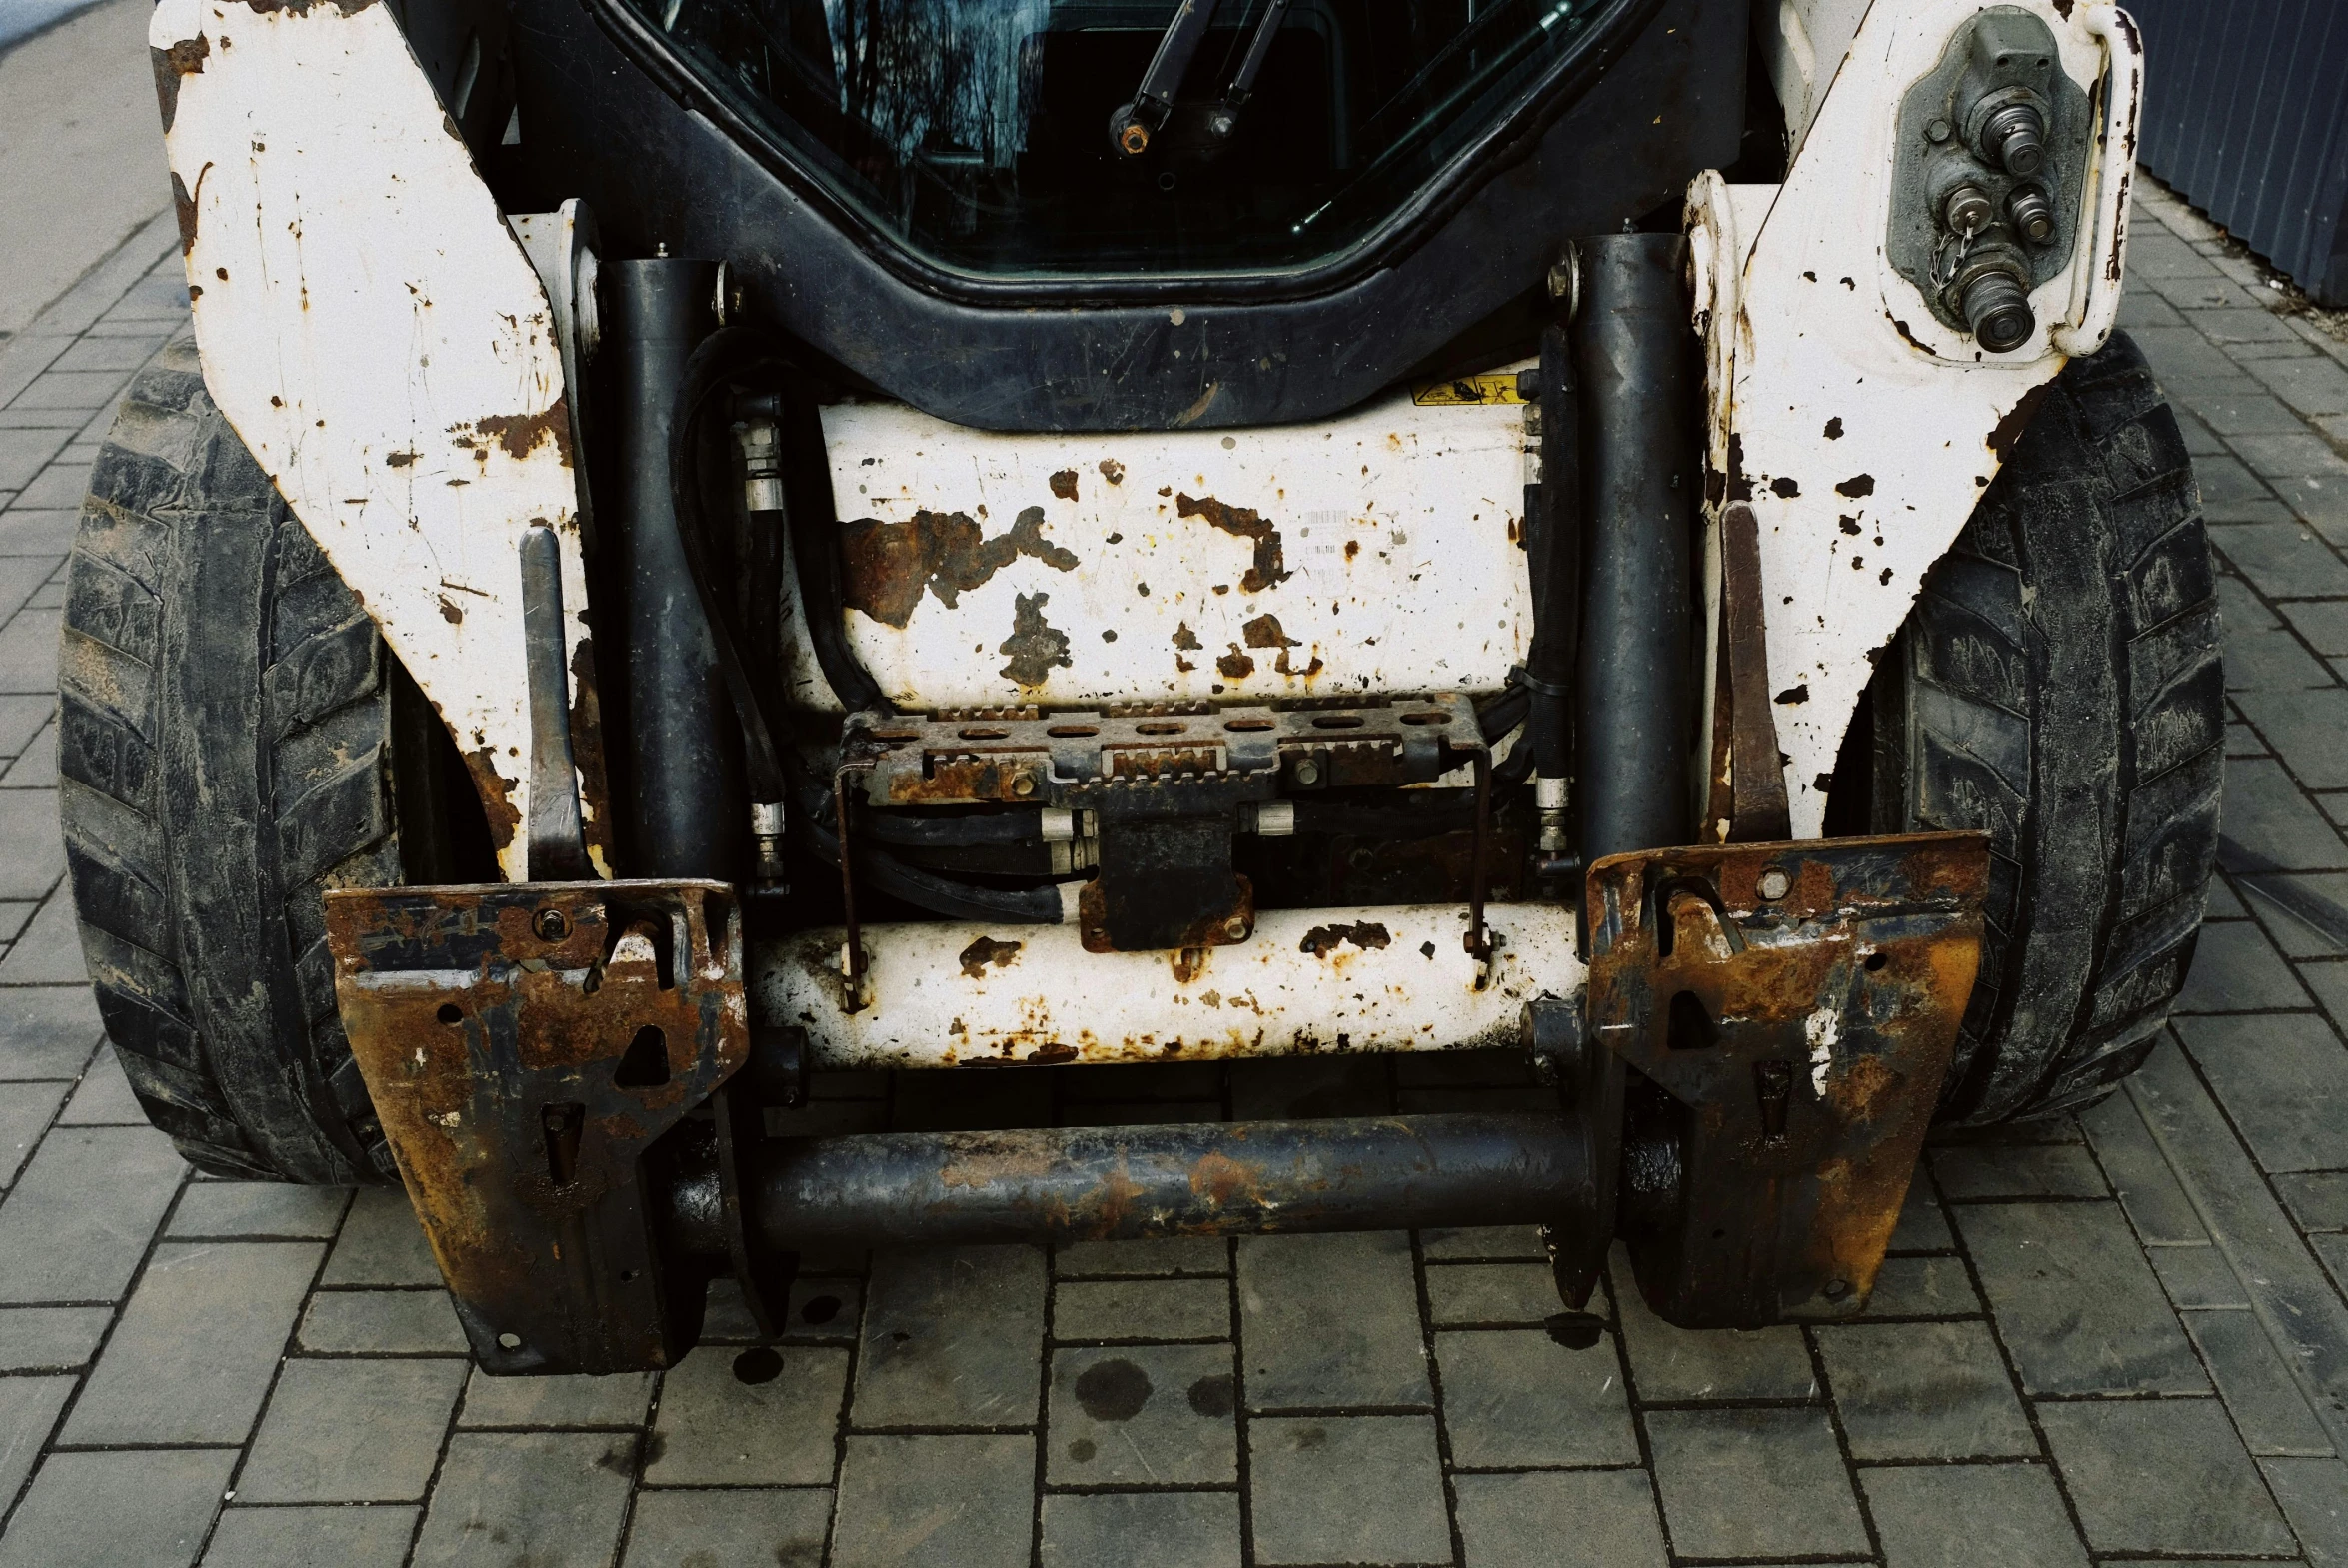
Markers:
{"x": 1071, "y": 731}
{"x": 1165, "y": 181}
{"x": 1162, "y": 727}
{"x": 982, "y": 733}
{"x": 1338, "y": 721}
{"x": 758, "y": 1364}
{"x": 450, "y": 1012}
{"x": 820, "y": 1309}
{"x": 509, "y": 1341}
{"x": 550, "y": 925}
{"x": 1875, "y": 961}
{"x": 1431, "y": 717}
{"x": 1248, "y": 725}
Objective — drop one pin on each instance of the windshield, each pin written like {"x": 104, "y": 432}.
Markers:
{"x": 1010, "y": 137}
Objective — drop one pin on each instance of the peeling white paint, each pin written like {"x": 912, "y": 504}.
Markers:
{"x": 1823, "y": 1030}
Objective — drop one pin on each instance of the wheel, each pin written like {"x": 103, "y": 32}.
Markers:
{"x": 234, "y": 738}
{"x": 2057, "y": 685}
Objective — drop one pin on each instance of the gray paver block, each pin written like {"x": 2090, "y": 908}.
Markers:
{"x": 2198, "y": 1277}
{"x": 1920, "y": 1287}
{"x": 2161, "y": 1475}
{"x": 382, "y": 1322}
{"x": 2329, "y": 981}
{"x": 58, "y": 487}
{"x": 1753, "y": 1483}
{"x": 579, "y": 1399}
{"x": 2324, "y": 623}
{"x": 50, "y": 1339}
{"x": 2057, "y": 1170}
{"x": 2315, "y": 1496}
{"x": 2306, "y": 913}
{"x": 258, "y": 1211}
{"x": 819, "y": 1307}
{"x": 1923, "y": 1226}
{"x": 2147, "y": 1188}
{"x": 2077, "y": 1305}
{"x": 2236, "y": 970}
{"x": 28, "y": 1414}
{"x": 1351, "y": 1489}
{"x": 2281, "y": 560}
{"x": 1684, "y": 1364}
{"x": 1301, "y": 1355}
{"x": 127, "y": 1508}
{"x": 2311, "y": 386}
{"x": 197, "y": 1345}
{"x": 1142, "y": 1415}
{"x": 26, "y": 1110}
{"x": 1142, "y": 1259}
{"x": 757, "y": 1417}
{"x": 24, "y": 452}
{"x": 381, "y": 1244}
{"x": 1483, "y": 1244}
{"x": 1115, "y": 1529}
{"x": 1474, "y": 1295}
{"x": 2318, "y": 1200}
{"x": 734, "y": 1528}
{"x": 78, "y": 1220}
{"x": 47, "y": 1031}
{"x": 1923, "y": 1391}
{"x": 344, "y": 1535}
{"x": 2304, "y": 727}
{"x": 1560, "y": 1518}
{"x": 49, "y": 952}
{"x": 28, "y": 643}
{"x": 549, "y": 1500}
{"x": 2243, "y": 326}
{"x": 351, "y": 1431}
{"x": 2269, "y": 1411}
{"x": 25, "y": 532}
{"x": 2283, "y": 455}
{"x": 1957, "y": 1516}
{"x": 2270, "y": 658}
{"x": 22, "y": 718}
{"x": 36, "y": 845}
{"x": 959, "y": 1500}
{"x": 2282, "y": 1077}
{"x": 1515, "y": 1397}
{"x": 952, "y": 1336}
{"x": 1148, "y": 1309}
{"x": 104, "y": 1097}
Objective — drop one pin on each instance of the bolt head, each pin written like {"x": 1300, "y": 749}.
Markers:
{"x": 1774, "y": 884}
{"x": 1023, "y": 784}
{"x": 1307, "y": 771}
{"x": 548, "y": 924}
{"x": 1133, "y": 140}
{"x": 1938, "y": 131}
{"x": 1236, "y": 928}
{"x": 1222, "y": 123}
{"x": 1967, "y": 210}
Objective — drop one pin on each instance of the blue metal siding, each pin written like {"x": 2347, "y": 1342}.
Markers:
{"x": 2246, "y": 114}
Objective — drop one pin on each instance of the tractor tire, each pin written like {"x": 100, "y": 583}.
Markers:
{"x": 229, "y": 727}
{"x": 2057, "y": 685}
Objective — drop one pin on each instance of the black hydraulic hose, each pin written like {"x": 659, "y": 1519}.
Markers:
{"x": 1554, "y": 548}
{"x": 883, "y": 873}
{"x": 1453, "y": 812}
{"x": 1504, "y": 713}
{"x": 1019, "y": 825}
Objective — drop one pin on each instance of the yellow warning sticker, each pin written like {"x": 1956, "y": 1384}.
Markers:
{"x": 1499, "y": 385}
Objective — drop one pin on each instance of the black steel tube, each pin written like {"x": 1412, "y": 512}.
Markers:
{"x": 1060, "y": 1185}
{"x": 1554, "y": 557}
{"x": 1639, "y": 399}
{"x": 686, "y": 812}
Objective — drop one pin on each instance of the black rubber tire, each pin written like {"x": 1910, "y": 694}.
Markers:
{"x": 228, "y": 725}
{"x": 2058, "y": 685}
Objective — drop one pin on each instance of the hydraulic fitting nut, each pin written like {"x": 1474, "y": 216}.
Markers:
{"x": 1276, "y": 819}
{"x": 2014, "y": 138}
{"x": 1997, "y": 308}
{"x": 1966, "y": 210}
{"x": 2031, "y": 214}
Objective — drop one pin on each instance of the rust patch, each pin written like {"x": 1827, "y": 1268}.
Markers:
{"x": 885, "y": 566}
{"x": 2009, "y": 430}
{"x": 587, "y": 752}
{"x": 182, "y": 205}
{"x": 1834, "y": 428}
{"x": 1856, "y": 485}
{"x": 1112, "y": 471}
{"x": 400, "y": 460}
{"x": 1786, "y": 489}
{"x": 1913, "y": 341}
{"x": 1063, "y": 483}
{"x": 1267, "y": 566}
{"x": 984, "y": 952}
{"x": 497, "y": 796}
{"x": 1186, "y": 639}
{"x": 1322, "y": 941}
{"x": 1225, "y": 1183}
{"x": 185, "y": 58}
{"x": 520, "y": 434}
{"x": 1234, "y": 664}
{"x": 1265, "y": 632}
{"x": 451, "y": 611}
{"x": 1034, "y": 647}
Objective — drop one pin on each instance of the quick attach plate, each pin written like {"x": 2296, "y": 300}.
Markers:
{"x": 525, "y": 1046}
{"x": 1786, "y": 1014}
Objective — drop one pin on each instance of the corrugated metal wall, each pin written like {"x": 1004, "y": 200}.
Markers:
{"x": 2246, "y": 114}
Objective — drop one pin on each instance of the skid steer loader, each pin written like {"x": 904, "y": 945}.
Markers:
{"x": 697, "y": 544}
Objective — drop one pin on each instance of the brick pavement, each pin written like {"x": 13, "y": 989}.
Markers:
{"x": 2117, "y": 1339}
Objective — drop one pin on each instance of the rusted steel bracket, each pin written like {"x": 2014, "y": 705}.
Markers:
{"x": 1782, "y": 1017}
{"x": 1747, "y": 801}
{"x": 526, "y": 1045}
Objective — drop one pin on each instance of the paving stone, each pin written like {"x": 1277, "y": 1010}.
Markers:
{"x": 2318, "y": 1200}
{"x": 2304, "y": 727}
{"x": 2282, "y": 1078}
{"x": 1672, "y": 1364}
{"x": 2236, "y": 970}
{"x": 2273, "y": 1417}
{"x": 2060, "y": 1170}
{"x": 351, "y": 1431}
{"x": 2314, "y": 1498}
{"x": 1956, "y": 1516}
{"x": 1142, "y": 1259}
{"x": 36, "y": 845}
{"x": 382, "y": 1322}
{"x": 2140, "y": 1177}
{"x": 1349, "y": 1489}
{"x": 2155, "y": 253}
{"x": 1106, "y": 1529}
{"x": 1921, "y": 1288}
{"x": 2077, "y": 1305}
{"x": 2143, "y": 307}
{"x": 2329, "y": 981}
{"x": 78, "y": 1220}
{"x": 551, "y": 1499}
{"x": 1474, "y": 1295}
{"x": 50, "y": 1339}
{"x": 2243, "y": 327}
{"x": 104, "y": 1097}
{"x": 1923, "y": 1226}
{"x": 341, "y": 1536}
{"x": 2281, "y": 456}
{"x": 952, "y": 1336}
{"x": 2305, "y": 912}
{"x": 2161, "y": 1475}
{"x": 757, "y": 1417}
{"x": 735, "y": 1528}
{"x": 960, "y": 1500}
{"x": 2242, "y": 740}
{"x": 1142, "y": 1415}
{"x": 1516, "y": 1397}
{"x": 577, "y": 1399}
{"x": 1303, "y": 1088}
{"x": 381, "y": 1244}
{"x": 820, "y": 1307}
{"x": 2219, "y": 902}
{"x": 128, "y": 1508}
{"x": 2183, "y": 356}
{"x": 1152, "y": 1309}
{"x": 49, "y": 952}
{"x": 2230, "y": 492}
{"x": 1301, "y": 1355}
{"x": 2262, "y": 807}
{"x": 1562, "y": 1519}
{"x": 1923, "y": 1391}
{"x": 1485, "y": 1242}
{"x": 25, "y": 1114}
{"x": 89, "y": 390}
{"x": 21, "y": 716}
{"x": 1753, "y": 1483}
{"x": 2271, "y": 660}
{"x": 26, "y": 531}
{"x": 2198, "y": 1276}
{"x": 59, "y": 486}
{"x": 198, "y": 1344}
{"x": 2310, "y": 386}
{"x": 25, "y": 451}
{"x": 2282, "y": 560}
{"x": 257, "y": 1210}
{"x": 28, "y": 1414}
{"x": 2332, "y": 1251}
{"x": 2324, "y": 623}
{"x": 28, "y": 643}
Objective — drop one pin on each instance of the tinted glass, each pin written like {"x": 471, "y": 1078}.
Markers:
{"x": 979, "y": 133}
